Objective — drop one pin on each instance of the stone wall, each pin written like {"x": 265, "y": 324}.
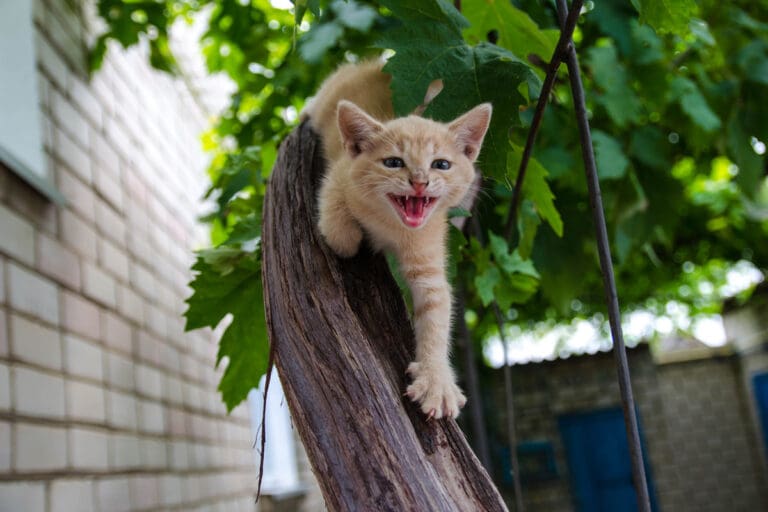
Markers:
{"x": 105, "y": 403}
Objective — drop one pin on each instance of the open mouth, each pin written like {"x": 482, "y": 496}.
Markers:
{"x": 413, "y": 210}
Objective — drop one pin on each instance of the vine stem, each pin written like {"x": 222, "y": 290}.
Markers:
{"x": 563, "y": 43}
{"x": 606, "y": 267}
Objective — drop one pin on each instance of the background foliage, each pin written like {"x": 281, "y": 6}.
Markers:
{"x": 676, "y": 94}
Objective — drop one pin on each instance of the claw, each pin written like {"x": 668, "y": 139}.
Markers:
{"x": 431, "y": 415}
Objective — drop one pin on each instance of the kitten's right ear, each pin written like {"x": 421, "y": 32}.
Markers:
{"x": 470, "y": 129}
{"x": 357, "y": 128}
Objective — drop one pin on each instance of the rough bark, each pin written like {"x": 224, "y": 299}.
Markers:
{"x": 342, "y": 340}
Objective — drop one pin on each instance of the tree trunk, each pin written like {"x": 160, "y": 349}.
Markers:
{"x": 342, "y": 340}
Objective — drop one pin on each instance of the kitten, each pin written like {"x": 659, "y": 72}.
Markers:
{"x": 395, "y": 180}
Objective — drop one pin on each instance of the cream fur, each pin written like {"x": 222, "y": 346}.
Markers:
{"x": 353, "y": 114}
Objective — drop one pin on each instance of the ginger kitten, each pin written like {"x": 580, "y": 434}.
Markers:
{"x": 395, "y": 180}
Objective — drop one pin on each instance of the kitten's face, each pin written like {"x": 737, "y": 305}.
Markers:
{"x": 410, "y": 168}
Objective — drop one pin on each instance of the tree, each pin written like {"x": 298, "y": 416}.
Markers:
{"x": 676, "y": 103}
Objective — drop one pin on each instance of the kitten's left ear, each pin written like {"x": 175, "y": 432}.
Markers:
{"x": 470, "y": 129}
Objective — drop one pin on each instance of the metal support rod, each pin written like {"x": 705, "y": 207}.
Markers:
{"x": 546, "y": 89}
{"x": 511, "y": 433}
{"x": 606, "y": 266}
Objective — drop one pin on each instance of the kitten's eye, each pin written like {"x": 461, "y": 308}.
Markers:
{"x": 441, "y": 164}
{"x": 393, "y": 162}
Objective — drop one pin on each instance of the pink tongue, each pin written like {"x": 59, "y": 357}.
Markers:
{"x": 414, "y": 206}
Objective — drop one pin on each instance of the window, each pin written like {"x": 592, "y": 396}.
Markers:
{"x": 281, "y": 472}
{"x": 21, "y": 143}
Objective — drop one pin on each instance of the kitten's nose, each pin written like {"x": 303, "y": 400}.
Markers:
{"x": 419, "y": 186}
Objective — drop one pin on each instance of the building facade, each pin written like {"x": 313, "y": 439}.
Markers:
{"x": 701, "y": 418}
{"x": 105, "y": 402}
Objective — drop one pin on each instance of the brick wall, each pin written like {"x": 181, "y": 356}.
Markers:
{"x": 712, "y": 462}
{"x": 105, "y": 403}
{"x": 700, "y": 442}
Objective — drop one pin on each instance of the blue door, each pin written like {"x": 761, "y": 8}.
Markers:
{"x": 760, "y": 382}
{"x": 599, "y": 463}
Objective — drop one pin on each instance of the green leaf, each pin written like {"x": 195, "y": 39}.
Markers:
{"x": 486, "y": 67}
{"x": 535, "y": 187}
{"x": 751, "y": 170}
{"x": 247, "y": 229}
{"x": 517, "y": 289}
{"x": 440, "y": 11}
{"x": 354, "y": 15}
{"x": 647, "y": 46}
{"x": 486, "y": 281}
{"x": 694, "y": 104}
{"x": 753, "y": 61}
{"x": 160, "y": 55}
{"x": 321, "y": 38}
{"x": 528, "y": 222}
{"x": 650, "y": 146}
{"x": 429, "y": 46}
{"x": 613, "y": 17}
{"x": 519, "y": 281}
{"x": 500, "y": 251}
{"x": 511, "y": 263}
{"x": 668, "y": 16}
{"x": 232, "y": 289}
{"x": 610, "y": 159}
{"x": 610, "y": 76}
{"x": 517, "y": 32}
{"x": 97, "y": 53}
{"x": 458, "y": 212}
{"x": 299, "y": 9}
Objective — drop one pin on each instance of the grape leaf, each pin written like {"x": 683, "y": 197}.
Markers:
{"x": 610, "y": 76}
{"x": 426, "y": 49}
{"x": 753, "y": 60}
{"x": 668, "y": 16}
{"x": 516, "y": 290}
{"x": 517, "y": 278}
{"x": 649, "y": 146}
{"x": 354, "y": 15}
{"x": 321, "y": 38}
{"x": 486, "y": 281}
{"x": 535, "y": 188}
{"x": 517, "y": 32}
{"x": 610, "y": 159}
{"x": 612, "y": 17}
{"x": 528, "y": 223}
{"x": 233, "y": 289}
{"x": 694, "y": 104}
{"x": 439, "y": 11}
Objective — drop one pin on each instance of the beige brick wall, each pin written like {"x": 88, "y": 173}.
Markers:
{"x": 105, "y": 403}
{"x": 713, "y": 459}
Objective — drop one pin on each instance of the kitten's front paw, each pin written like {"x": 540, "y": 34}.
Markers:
{"x": 435, "y": 390}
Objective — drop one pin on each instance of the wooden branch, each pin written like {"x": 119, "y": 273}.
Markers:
{"x": 342, "y": 341}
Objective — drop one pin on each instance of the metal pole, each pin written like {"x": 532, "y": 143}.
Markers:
{"x": 606, "y": 267}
